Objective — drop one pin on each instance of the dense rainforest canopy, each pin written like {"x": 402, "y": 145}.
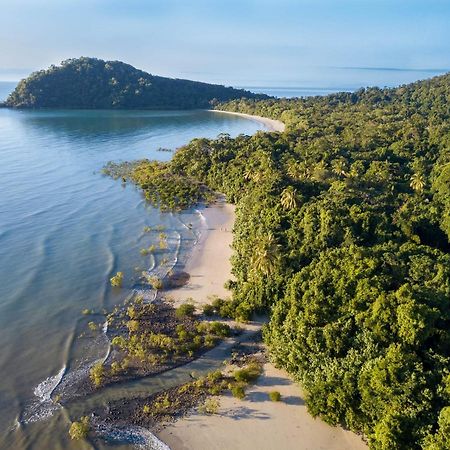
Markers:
{"x": 342, "y": 234}
{"x": 89, "y": 83}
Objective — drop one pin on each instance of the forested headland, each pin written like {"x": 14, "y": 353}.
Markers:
{"x": 90, "y": 83}
{"x": 342, "y": 235}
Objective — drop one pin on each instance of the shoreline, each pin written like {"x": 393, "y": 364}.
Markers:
{"x": 271, "y": 124}
{"x": 209, "y": 265}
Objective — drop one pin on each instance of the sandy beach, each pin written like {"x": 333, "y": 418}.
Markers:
{"x": 271, "y": 124}
{"x": 209, "y": 265}
{"x": 256, "y": 423}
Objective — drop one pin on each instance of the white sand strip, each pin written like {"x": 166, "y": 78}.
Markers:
{"x": 270, "y": 124}
{"x": 209, "y": 265}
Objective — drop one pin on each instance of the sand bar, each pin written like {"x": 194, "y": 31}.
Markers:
{"x": 270, "y": 124}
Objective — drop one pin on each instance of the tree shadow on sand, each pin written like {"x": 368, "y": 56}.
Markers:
{"x": 244, "y": 412}
{"x": 274, "y": 381}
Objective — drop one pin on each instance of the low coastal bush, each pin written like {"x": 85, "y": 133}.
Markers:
{"x": 155, "y": 281}
{"x": 185, "y": 310}
{"x": 97, "y": 374}
{"x": 219, "y": 329}
{"x": 214, "y": 376}
{"x": 208, "y": 310}
{"x": 162, "y": 404}
{"x": 211, "y": 406}
{"x": 275, "y": 396}
{"x": 248, "y": 374}
{"x": 80, "y": 430}
{"x": 238, "y": 391}
{"x": 117, "y": 279}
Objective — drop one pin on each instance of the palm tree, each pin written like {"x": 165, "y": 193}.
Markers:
{"x": 266, "y": 255}
{"x": 340, "y": 167}
{"x": 251, "y": 174}
{"x": 248, "y": 173}
{"x": 298, "y": 171}
{"x": 417, "y": 182}
{"x": 289, "y": 198}
{"x": 320, "y": 172}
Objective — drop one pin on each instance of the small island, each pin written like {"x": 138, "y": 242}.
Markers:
{"x": 91, "y": 83}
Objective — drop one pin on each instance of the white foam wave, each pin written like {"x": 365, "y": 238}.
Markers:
{"x": 137, "y": 436}
{"x": 43, "y": 406}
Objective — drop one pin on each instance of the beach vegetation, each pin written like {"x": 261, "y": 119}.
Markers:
{"x": 249, "y": 373}
{"x": 210, "y": 406}
{"x": 117, "y": 279}
{"x": 97, "y": 374}
{"x": 238, "y": 391}
{"x": 80, "y": 429}
{"x": 274, "y": 396}
{"x": 208, "y": 310}
{"x": 185, "y": 310}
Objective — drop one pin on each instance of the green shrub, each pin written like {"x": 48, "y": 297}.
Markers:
{"x": 210, "y": 340}
{"x": 238, "y": 391}
{"x": 219, "y": 329}
{"x": 133, "y": 325}
{"x": 115, "y": 368}
{"x": 247, "y": 374}
{"x": 185, "y": 310}
{"x": 275, "y": 396}
{"x": 211, "y": 406}
{"x": 208, "y": 310}
{"x": 97, "y": 374}
{"x": 117, "y": 279}
{"x": 217, "y": 304}
{"x": 214, "y": 376}
{"x": 79, "y": 430}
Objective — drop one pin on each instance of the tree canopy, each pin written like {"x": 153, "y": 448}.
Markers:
{"x": 90, "y": 83}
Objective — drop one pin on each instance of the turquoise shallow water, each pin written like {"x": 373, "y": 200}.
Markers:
{"x": 64, "y": 230}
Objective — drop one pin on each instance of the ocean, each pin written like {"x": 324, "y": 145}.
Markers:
{"x": 65, "y": 229}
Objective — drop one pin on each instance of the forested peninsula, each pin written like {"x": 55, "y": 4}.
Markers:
{"x": 342, "y": 235}
{"x": 90, "y": 83}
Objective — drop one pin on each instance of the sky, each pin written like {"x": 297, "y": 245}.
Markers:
{"x": 320, "y": 43}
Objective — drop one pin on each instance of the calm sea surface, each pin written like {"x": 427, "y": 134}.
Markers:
{"x": 64, "y": 230}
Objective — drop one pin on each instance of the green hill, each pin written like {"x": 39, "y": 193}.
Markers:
{"x": 90, "y": 83}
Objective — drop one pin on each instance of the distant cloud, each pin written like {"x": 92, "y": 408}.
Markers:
{"x": 391, "y": 69}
